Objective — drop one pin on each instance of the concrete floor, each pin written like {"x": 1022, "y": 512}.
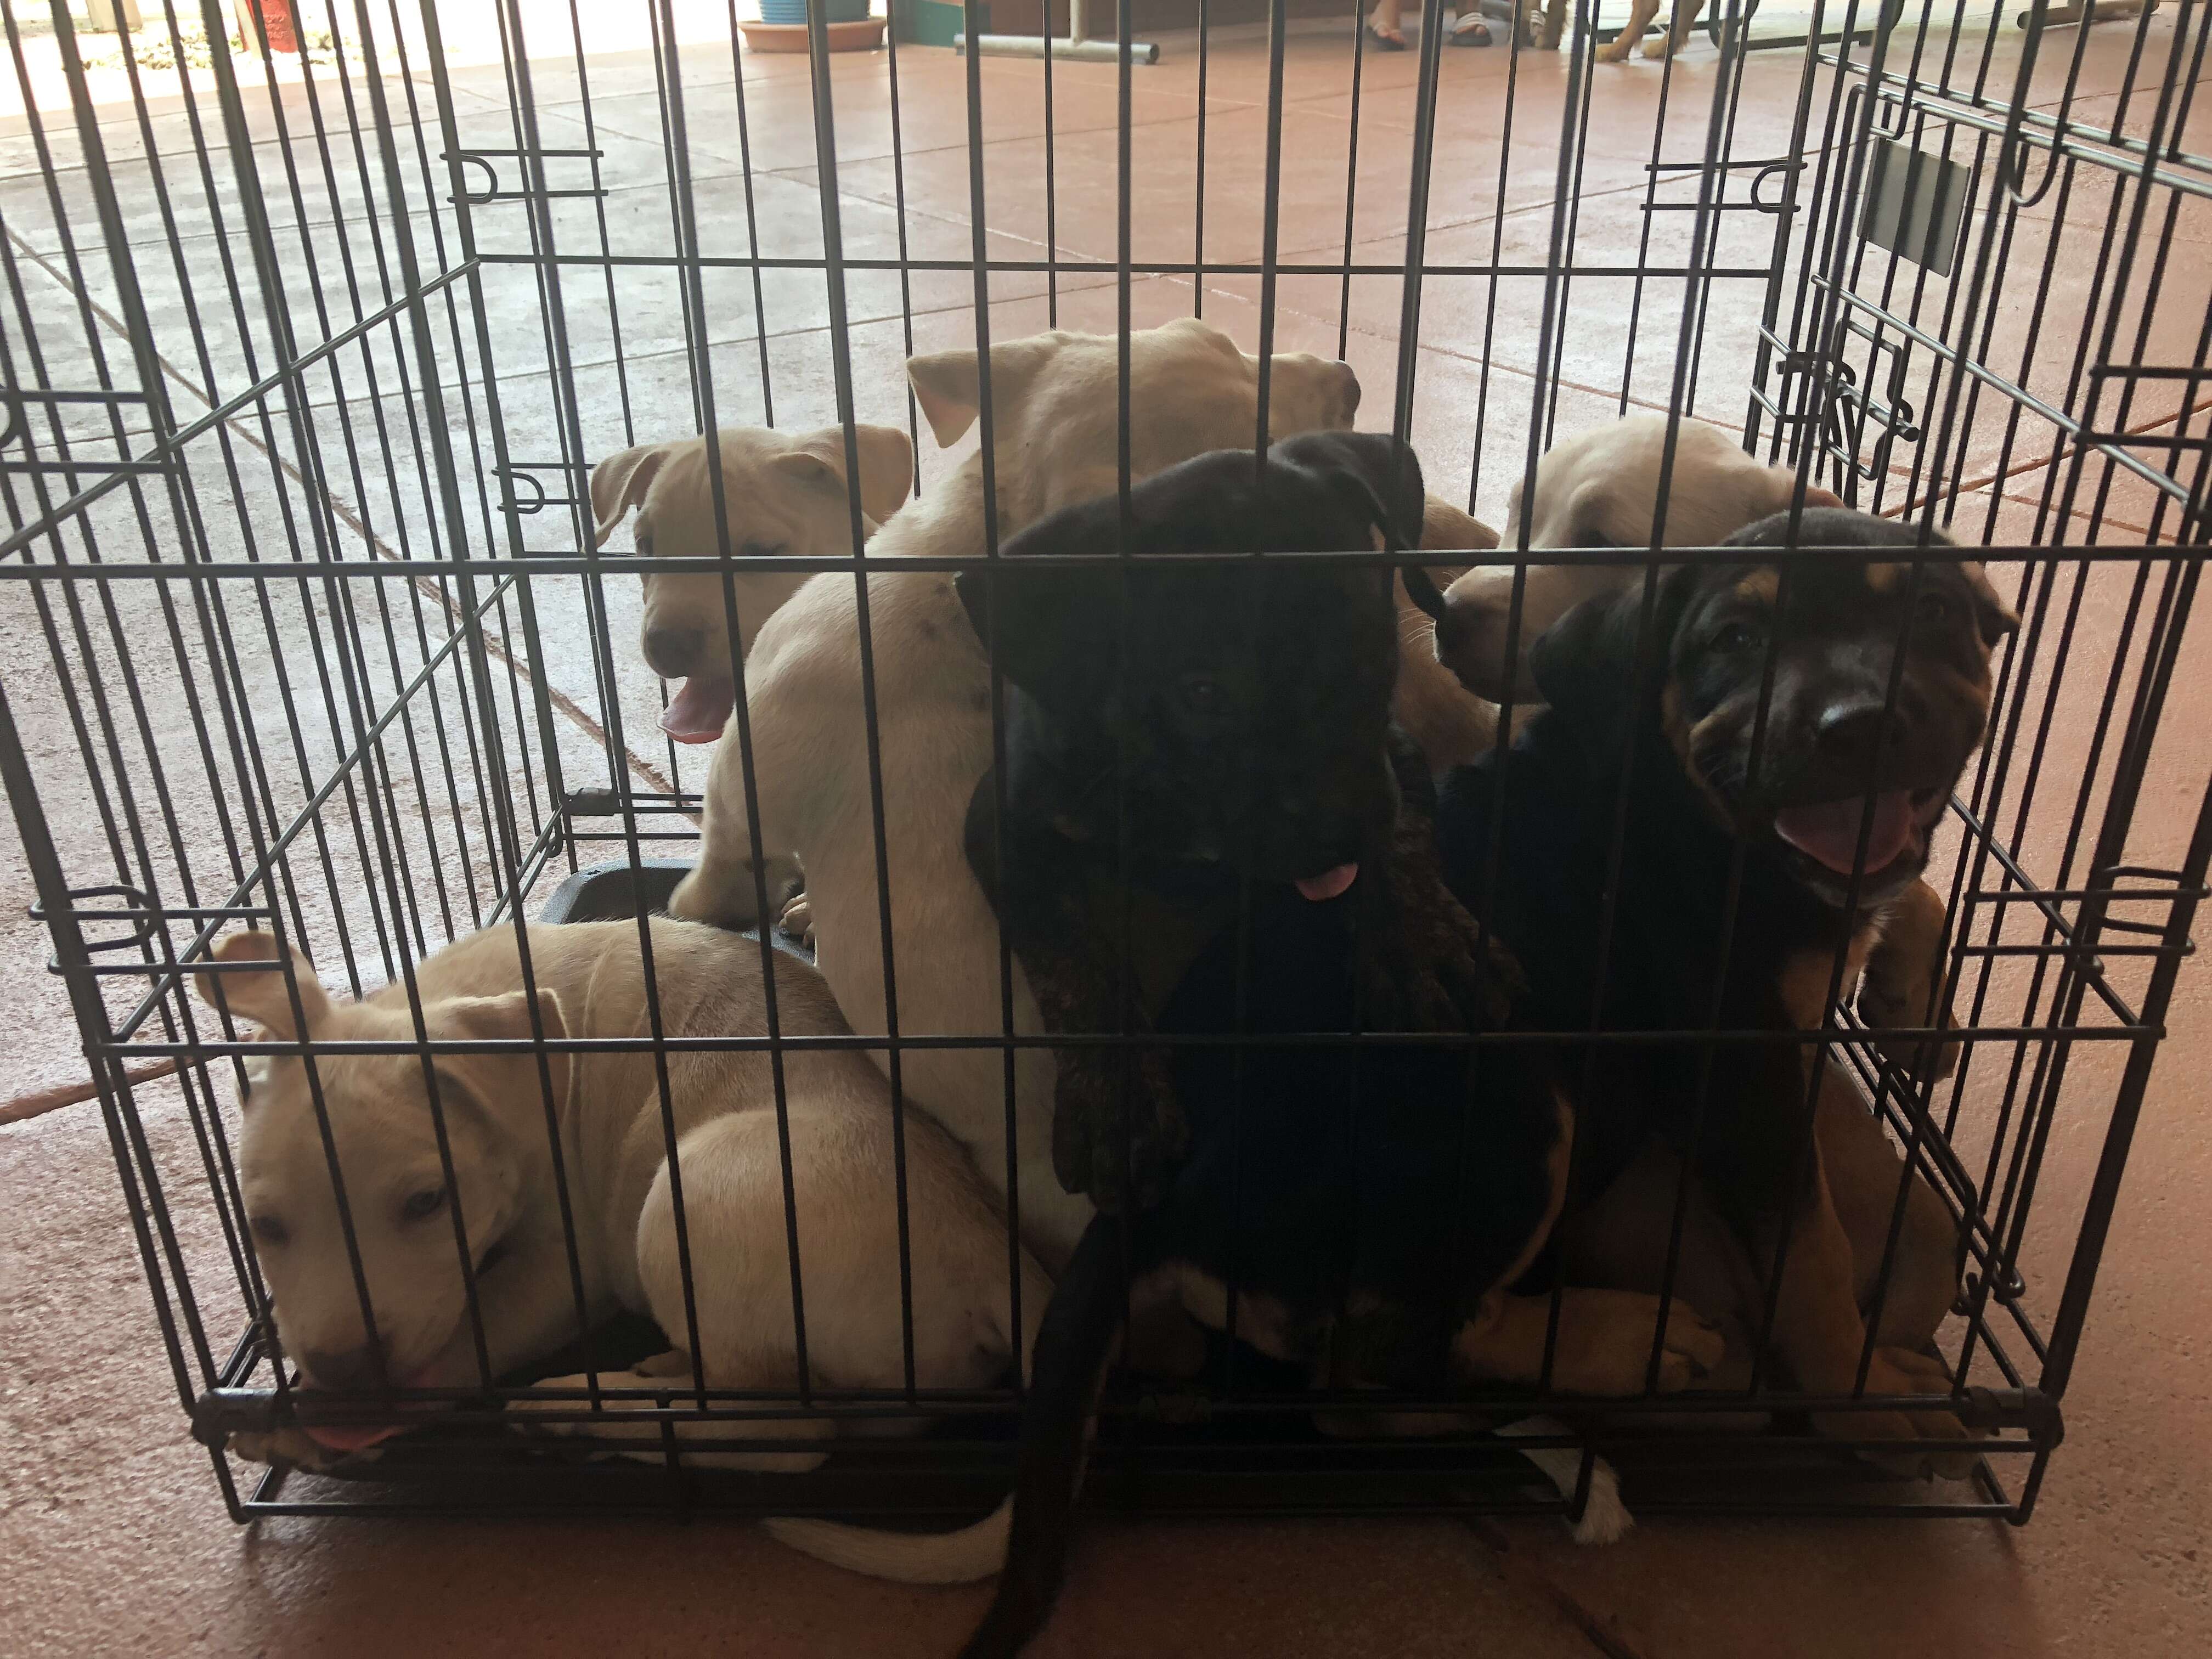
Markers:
{"x": 110, "y": 1521}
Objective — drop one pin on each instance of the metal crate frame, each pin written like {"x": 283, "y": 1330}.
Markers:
{"x": 441, "y": 756}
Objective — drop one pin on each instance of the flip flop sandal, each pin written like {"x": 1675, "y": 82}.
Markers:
{"x": 1469, "y": 31}
{"x": 1391, "y": 42}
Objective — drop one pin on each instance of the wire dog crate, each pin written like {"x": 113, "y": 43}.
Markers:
{"x": 307, "y": 357}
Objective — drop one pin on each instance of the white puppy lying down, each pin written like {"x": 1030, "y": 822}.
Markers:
{"x": 606, "y": 1107}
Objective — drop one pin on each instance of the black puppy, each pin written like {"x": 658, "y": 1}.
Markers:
{"x": 1802, "y": 720}
{"x": 1173, "y": 729}
{"x": 1371, "y": 1207}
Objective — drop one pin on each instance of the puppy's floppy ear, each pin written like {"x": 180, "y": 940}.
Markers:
{"x": 948, "y": 385}
{"x": 886, "y": 465}
{"x": 495, "y": 1019}
{"x": 1052, "y": 622}
{"x": 261, "y": 997}
{"x": 619, "y": 483}
{"x": 1585, "y": 665}
{"x": 1381, "y": 476}
{"x": 1997, "y": 617}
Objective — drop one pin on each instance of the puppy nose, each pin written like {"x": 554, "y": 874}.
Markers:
{"x": 1854, "y": 730}
{"x": 673, "y": 652}
{"x": 1470, "y": 641}
{"x": 345, "y": 1368}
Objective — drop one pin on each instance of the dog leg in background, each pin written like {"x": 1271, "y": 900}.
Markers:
{"x": 1664, "y": 44}
{"x": 1617, "y": 49}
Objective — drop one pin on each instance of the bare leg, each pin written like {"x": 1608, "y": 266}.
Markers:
{"x": 1639, "y": 19}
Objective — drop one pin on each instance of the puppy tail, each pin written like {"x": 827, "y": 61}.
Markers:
{"x": 910, "y": 1557}
{"x": 1074, "y": 1345}
{"x": 1605, "y": 1519}
{"x": 1025, "y": 1538}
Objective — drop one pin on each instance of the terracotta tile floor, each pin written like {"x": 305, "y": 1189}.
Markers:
{"x": 110, "y": 1525}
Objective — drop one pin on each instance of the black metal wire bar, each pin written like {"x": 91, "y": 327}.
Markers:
{"x": 840, "y": 358}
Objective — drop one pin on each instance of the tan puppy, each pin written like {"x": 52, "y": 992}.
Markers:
{"x": 606, "y": 1109}
{"x": 781, "y": 493}
{"x": 1055, "y": 418}
{"x": 1600, "y": 488}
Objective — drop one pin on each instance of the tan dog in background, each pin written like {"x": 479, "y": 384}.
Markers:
{"x": 1055, "y": 418}
{"x": 1599, "y": 489}
{"x": 607, "y": 1107}
{"x": 781, "y": 494}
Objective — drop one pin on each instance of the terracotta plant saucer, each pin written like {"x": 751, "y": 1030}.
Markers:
{"x": 860, "y": 35}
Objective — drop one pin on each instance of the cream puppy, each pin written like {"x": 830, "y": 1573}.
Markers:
{"x": 781, "y": 494}
{"x": 605, "y": 1141}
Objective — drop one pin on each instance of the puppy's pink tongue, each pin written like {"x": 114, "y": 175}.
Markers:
{"x": 358, "y": 1438}
{"x": 699, "y": 710}
{"x": 1329, "y": 882}
{"x": 1830, "y": 831}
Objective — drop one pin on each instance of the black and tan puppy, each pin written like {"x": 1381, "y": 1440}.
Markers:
{"x": 1796, "y": 719}
{"x": 1366, "y": 1212}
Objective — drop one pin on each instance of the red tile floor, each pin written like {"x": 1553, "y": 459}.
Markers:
{"x": 113, "y": 1534}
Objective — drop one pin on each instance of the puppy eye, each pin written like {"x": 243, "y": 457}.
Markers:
{"x": 1935, "y": 609}
{"x": 1201, "y": 692}
{"x": 760, "y": 549}
{"x": 1734, "y": 637}
{"x": 423, "y": 1205}
{"x": 271, "y": 1231}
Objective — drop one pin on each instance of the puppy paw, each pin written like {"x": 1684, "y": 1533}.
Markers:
{"x": 1902, "y": 1371}
{"x": 1662, "y": 44}
{"x": 293, "y": 1448}
{"x": 796, "y": 921}
{"x": 1606, "y": 1519}
{"x": 1605, "y": 1344}
{"x": 1615, "y": 51}
{"x": 1895, "y": 994}
{"x": 620, "y": 1431}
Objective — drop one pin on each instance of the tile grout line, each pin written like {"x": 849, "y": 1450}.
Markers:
{"x": 1602, "y": 1631}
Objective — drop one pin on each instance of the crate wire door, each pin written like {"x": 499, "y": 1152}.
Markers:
{"x": 308, "y": 358}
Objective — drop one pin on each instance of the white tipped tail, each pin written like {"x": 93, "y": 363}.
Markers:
{"x": 1606, "y": 1519}
{"x": 910, "y": 1557}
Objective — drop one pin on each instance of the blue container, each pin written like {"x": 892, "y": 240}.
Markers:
{"x": 794, "y": 11}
